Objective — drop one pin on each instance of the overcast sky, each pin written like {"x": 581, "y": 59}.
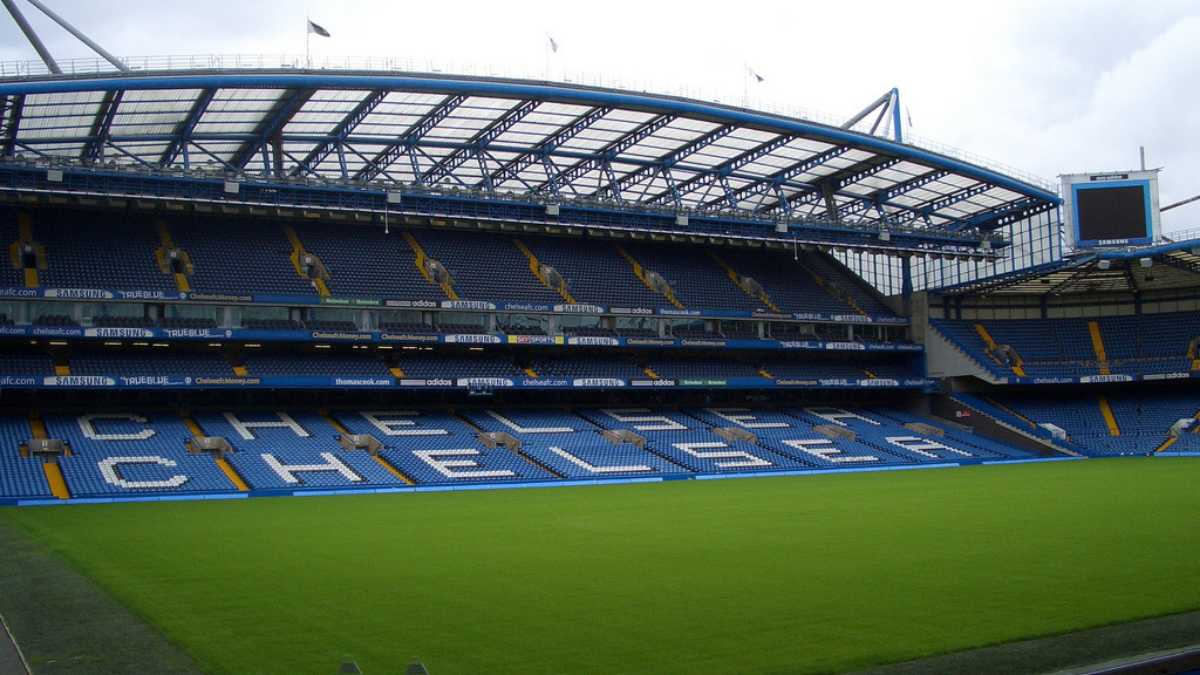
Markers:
{"x": 1045, "y": 87}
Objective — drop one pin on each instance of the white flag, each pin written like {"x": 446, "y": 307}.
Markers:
{"x": 314, "y": 28}
{"x": 553, "y": 44}
{"x": 754, "y": 74}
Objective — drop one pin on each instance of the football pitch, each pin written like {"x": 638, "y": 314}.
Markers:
{"x": 802, "y": 574}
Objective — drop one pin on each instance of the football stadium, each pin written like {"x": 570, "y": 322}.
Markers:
{"x": 739, "y": 344}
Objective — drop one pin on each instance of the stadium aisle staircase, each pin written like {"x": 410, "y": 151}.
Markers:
{"x": 181, "y": 278}
{"x": 223, "y": 465}
{"x": 993, "y": 347}
{"x": 54, "y": 476}
{"x": 294, "y": 256}
{"x": 737, "y": 279}
{"x": 1098, "y": 347}
{"x": 845, "y": 297}
{"x": 25, "y": 229}
{"x": 391, "y": 469}
{"x": 1109, "y": 418}
{"x": 420, "y": 262}
{"x": 536, "y": 267}
{"x": 641, "y": 274}
{"x": 58, "y": 486}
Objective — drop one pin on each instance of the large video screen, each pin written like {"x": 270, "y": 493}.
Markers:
{"x": 1113, "y": 214}
{"x": 1111, "y": 209}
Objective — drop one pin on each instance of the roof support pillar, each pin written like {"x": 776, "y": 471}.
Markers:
{"x": 32, "y": 36}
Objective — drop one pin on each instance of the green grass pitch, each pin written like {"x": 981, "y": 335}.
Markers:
{"x": 809, "y": 574}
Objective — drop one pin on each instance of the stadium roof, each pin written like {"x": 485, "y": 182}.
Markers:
{"x": 1171, "y": 266}
{"x": 550, "y": 140}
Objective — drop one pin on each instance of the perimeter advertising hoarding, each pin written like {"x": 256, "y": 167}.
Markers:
{"x": 1118, "y": 208}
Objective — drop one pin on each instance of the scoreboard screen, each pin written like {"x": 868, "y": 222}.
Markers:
{"x": 1113, "y": 209}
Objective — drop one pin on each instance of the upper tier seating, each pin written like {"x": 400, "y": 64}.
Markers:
{"x": 790, "y": 287}
{"x": 596, "y": 273}
{"x": 485, "y": 266}
{"x": 246, "y": 258}
{"x": 1149, "y": 343}
{"x": 87, "y": 254}
{"x": 696, "y": 279}
{"x": 834, "y": 273}
{"x": 365, "y": 262}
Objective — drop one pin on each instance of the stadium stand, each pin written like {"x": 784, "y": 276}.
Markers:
{"x": 696, "y": 279}
{"x": 595, "y": 272}
{"x": 86, "y": 255}
{"x": 367, "y": 263}
{"x": 232, "y": 258}
{"x": 20, "y": 476}
{"x": 312, "y": 364}
{"x": 132, "y": 453}
{"x": 485, "y": 266}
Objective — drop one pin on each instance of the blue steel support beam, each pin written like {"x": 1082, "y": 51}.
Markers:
{"x": 101, "y": 124}
{"x": 480, "y": 142}
{"x": 722, "y": 171}
{"x": 606, "y": 155}
{"x": 884, "y": 197}
{"x": 265, "y": 135}
{"x": 662, "y": 165}
{"x": 1008, "y": 215}
{"x": 183, "y": 131}
{"x": 405, "y": 143}
{"x": 540, "y": 153}
{"x": 835, "y": 182}
{"x": 775, "y": 183}
{"x": 932, "y": 208}
{"x": 10, "y": 122}
{"x": 338, "y": 136}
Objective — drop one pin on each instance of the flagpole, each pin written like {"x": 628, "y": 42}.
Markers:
{"x": 745, "y": 85}
{"x": 307, "y": 41}
{"x": 546, "y": 47}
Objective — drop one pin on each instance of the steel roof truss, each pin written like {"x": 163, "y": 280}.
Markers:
{"x": 1013, "y": 212}
{"x": 666, "y": 162}
{"x": 513, "y": 168}
{"x": 722, "y": 171}
{"x": 614, "y": 149}
{"x": 480, "y": 141}
{"x": 886, "y": 196}
{"x": 93, "y": 150}
{"x": 338, "y": 136}
{"x": 183, "y": 131}
{"x": 774, "y": 183}
{"x": 404, "y": 144}
{"x": 949, "y": 200}
{"x": 1181, "y": 263}
{"x": 827, "y": 189}
{"x": 10, "y": 122}
{"x": 265, "y": 138}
